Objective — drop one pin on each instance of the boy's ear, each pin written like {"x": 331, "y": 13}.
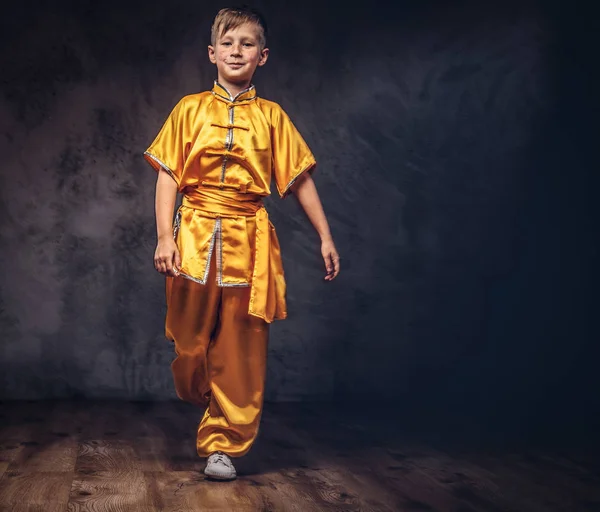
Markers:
{"x": 211, "y": 54}
{"x": 264, "y": 55}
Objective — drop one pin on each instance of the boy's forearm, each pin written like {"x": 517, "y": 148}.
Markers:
{"x": 308, "y": 197}
{"x": 166, "y": 193}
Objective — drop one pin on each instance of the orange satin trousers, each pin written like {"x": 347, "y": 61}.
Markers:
{"x": 221, "y": 360}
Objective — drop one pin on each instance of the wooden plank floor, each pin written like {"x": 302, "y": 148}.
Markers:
{"x": 140, "y": 456}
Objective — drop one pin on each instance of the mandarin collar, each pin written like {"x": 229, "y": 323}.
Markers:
{"x": 223, "y": 93}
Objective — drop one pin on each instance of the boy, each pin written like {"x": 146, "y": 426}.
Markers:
{"x": 225, "y": 282}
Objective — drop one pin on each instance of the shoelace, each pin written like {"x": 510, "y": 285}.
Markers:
{"x": 221, "y": 457}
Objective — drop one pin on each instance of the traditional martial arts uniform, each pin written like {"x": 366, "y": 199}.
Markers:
{"x": 222, "y": 152}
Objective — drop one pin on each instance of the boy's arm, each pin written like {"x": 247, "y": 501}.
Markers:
{"x": 306, "y": 192}
{"x": 166, "y": 258}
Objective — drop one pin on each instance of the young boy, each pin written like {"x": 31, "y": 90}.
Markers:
{"x": 225, "y": 280}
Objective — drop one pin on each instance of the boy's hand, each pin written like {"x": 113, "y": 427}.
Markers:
{"x": 166, "y": 257}
{"x": 331, "y": 258}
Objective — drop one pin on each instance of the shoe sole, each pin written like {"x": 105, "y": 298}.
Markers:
{"x": 220, "y": 477}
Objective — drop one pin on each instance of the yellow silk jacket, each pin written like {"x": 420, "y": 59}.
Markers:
{"x": 222, "y": 152}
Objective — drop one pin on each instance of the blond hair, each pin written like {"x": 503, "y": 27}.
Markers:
{"x": 232, "y": 17}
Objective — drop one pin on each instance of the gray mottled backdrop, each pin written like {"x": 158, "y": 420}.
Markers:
{"x": 441, "y": 152}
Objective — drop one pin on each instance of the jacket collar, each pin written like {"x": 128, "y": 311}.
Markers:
{"x": 245, "y": 95}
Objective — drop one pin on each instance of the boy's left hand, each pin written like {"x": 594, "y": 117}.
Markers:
{"x": 331, "y": 258}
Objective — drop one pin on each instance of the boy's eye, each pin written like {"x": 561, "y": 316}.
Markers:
{"x": 248, "y": 44}
{"x": 226, "y": 43}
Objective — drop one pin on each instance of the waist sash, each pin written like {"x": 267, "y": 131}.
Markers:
{"x": 267, "y": 290}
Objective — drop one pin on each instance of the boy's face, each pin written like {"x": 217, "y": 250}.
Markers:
{"x": 237, "y": 53}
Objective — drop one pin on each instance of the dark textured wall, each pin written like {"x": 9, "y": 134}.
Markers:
{"x": 438, "y": 134}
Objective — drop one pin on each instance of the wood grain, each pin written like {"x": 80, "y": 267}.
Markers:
{"x": 49, "y": 453}
{"x": 103, "y": 456}
{"x": 38, "y": 490}
{"x": 107, "y": 455}
{"x": 97, "y": 491}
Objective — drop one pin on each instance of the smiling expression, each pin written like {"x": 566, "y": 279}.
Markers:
{"x": 237, "y": 54}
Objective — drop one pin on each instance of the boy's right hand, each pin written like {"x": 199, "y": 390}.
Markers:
{"x": 166, "y": 257}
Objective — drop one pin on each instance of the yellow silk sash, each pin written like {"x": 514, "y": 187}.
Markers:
{"x": 267, "y": 294}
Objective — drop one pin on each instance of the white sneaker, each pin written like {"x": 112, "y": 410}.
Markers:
{"x": 219, "y": 467}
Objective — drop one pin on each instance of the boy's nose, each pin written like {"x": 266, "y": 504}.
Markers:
{"x": 236, "y": 49}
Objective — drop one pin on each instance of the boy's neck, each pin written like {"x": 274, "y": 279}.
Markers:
{"x": 233, "y": 88}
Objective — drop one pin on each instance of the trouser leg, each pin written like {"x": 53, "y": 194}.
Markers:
{"x": 192, "y": 311}
{"x": 237, "y": 359}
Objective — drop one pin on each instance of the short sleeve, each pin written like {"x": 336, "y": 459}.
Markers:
{"x": 167, "y": 151}
{"x": 291, "y": 155}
